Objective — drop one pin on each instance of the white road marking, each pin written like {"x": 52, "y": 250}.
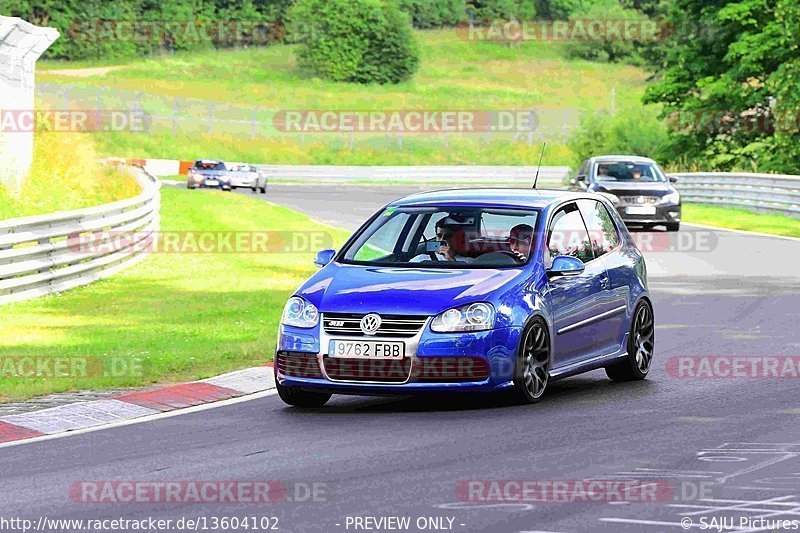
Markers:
{"x": 148, "y": 418}
{"x": 78, "y": 415}
{"x": 249, "y": 380}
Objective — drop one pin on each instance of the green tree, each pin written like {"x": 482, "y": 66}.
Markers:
{"x": 426, "y": 14}
{"x": 363, "y": 41}
{"x": 610, "y": 49}
{"x": 730, "y": 82}
{"x": 632, "y": 131}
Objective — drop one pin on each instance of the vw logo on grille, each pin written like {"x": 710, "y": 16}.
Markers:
{"x": 370, "y": 323}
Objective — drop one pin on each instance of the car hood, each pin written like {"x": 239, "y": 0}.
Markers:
{"x": 413, "y": 291}
{"x": 633, "y": 189}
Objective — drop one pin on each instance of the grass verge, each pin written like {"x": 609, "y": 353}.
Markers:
{"x": 741, "y": 219}
{"x": 177, "y": 316}
{"x": 65, "y": 175}
{"x": 455, "y": 74}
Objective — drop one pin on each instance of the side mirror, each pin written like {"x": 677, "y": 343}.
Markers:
{"x": 324, "y": 257}
{"x": 672, "y": 179}
{"x": 565, "y": 265}
{"x": 581, "y": 177}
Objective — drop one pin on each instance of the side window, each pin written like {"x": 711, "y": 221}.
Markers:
{"x": 602, "y": 232}
{"x": 567, "y": 235}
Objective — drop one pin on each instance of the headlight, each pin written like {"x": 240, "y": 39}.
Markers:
{"x": 671, "y": 198}
{"x": 472, "y": 317}
{"x": 299, "y": 313}
{"x": 224, "y": 178}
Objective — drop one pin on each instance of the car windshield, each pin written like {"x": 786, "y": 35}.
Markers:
{"x": 629, "y": 171}
{"x": 444, "y": 237}
{"x": 209, "y": 165}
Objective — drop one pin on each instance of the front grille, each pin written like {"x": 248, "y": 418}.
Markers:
{"x": 298, "y": 365}
{"x": 349, "y": 324}
{"x": 451, "y": 369}
{"x": 380, "y": 370}
{"x": 634, "y": 200}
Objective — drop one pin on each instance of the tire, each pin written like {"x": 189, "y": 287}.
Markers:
{"x": 532, "y": 368}
{"x": 641, "y": 345}
{"x": 673, "y": 227}
{"x": 253, "y": 189}
{"x": 300, "y": 398}
{"x": 190, "y": 187}
{"x": 264, "y": 190}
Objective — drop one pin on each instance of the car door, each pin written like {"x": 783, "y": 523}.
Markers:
{"x": 575, "y": 301}
{"x": 606, "y": 245}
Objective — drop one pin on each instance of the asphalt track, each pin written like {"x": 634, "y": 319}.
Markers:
{"x": 728, "y": 448}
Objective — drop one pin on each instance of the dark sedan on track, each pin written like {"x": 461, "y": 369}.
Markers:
{"x": 642, "y": 194}
{"x": 209, "y": 173}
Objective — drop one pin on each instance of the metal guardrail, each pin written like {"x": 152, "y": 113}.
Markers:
{"x": 51, "y": 253}
{"x": 517, "y": 175}
{"x": 768, "y": 193}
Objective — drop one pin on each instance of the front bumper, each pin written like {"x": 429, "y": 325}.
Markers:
{"x": 664, "y": 214}
{"x": 432, "y": 358}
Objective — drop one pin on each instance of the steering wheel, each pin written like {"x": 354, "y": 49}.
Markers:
{"x": 518, "y": 257}
{"x": 493, "y": 256}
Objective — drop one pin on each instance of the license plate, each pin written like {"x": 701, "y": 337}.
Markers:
{"x": 367, "y": 349}
{"x": 643, "y": 210}
{"x": 212, "y": 182}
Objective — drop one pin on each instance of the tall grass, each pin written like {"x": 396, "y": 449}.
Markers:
{"x": 65, "y": 175}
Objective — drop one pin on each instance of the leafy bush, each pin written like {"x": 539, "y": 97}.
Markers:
{"x": 608, "y": 50}
{"x": 636, "y": 131}
{"x": 363, "y": 41}
{"x": 426, "y": 14}
{"x": 558, "y": 9}
{"x": 489, "y": 10}
{"x": 90, "y": 29}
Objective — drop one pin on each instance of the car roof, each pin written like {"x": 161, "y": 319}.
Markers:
{"x": 489, "y": 197}
{"x": 209, "y": 161}
{"x": 631, "y": 158}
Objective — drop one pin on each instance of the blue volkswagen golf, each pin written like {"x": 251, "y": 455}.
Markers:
{"x": 470, "y": 290}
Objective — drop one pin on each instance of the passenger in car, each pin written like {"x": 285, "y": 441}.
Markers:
{"x": 520, "y": 239}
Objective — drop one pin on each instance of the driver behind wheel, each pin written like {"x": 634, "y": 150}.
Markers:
{"x": 444, "y": 234}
